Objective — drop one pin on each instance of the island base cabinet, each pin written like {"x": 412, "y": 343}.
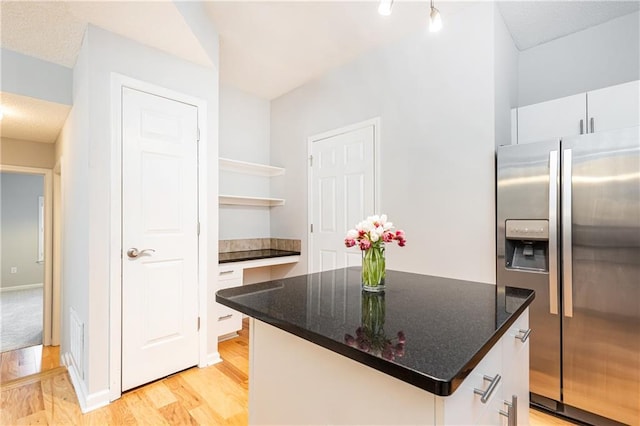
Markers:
{"x": 293, "y": 381}
{"x": 501, "y": 379}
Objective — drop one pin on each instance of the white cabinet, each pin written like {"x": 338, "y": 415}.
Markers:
{"x": 614, "y": 107}
{"x": 293, "y": 381}
{"x": 502, "y": 374}
{"x": 599, "y": 110}
{"x": 552, "y": 119}
{"x": 247, "y": 168}
{"x": 229, "y": 321}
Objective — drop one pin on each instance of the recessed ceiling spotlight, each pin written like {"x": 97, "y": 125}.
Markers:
{"x": 385, "y": 7}
{"x": 435, "y": 20}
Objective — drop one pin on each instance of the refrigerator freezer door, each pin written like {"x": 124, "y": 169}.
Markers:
{"x": 601, "y": 342}
{"x": 527, "y": 178}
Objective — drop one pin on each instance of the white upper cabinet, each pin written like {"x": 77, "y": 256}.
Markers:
{"x": 614, "y": 107}
{"x": 552, "y": 119}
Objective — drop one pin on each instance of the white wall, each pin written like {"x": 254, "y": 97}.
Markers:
{"x": 20, "y": 212}
{"x": 16, "y": 152}
{"x": 85, "y": 145}
{"x": 28, "y": 76}
{"x": 244, "y": 135}
{"x": 597, "y": 57}
{"x": 506, "y": 79}
{"x": 435, "y": 96}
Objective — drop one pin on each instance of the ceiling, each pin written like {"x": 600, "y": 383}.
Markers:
{"x": 31, "y": 119}
{"x": 267, "y": 48}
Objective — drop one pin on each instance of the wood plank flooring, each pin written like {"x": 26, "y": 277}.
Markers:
{"x": 216, "y": 395}
{"x": 26, "y": 361}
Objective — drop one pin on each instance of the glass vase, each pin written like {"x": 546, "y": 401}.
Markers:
{"x": 373, "y": 268}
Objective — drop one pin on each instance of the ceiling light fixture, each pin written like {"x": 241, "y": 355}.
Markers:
{"x": 435, "y": 20}
{"x": 385, "y": 7}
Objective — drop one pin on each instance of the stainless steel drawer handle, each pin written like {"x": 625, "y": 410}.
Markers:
{"x": 135, "y": 253}
{"x": 225, "y": 272}
{"x": 225, "y": 317}
{"x": 486, "y": 394}
{"x": 512, "y": 411}
{"x": 524, "y": 335}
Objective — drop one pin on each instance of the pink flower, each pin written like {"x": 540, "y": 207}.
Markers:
{"x": 365, "y": 244}
{"x": 349, "y": 340}
{"x": 374, "y": 231}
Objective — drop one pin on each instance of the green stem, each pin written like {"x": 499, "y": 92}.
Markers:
{"x": 373, "y": 266}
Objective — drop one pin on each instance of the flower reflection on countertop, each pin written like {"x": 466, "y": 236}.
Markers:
{"x": 370, "y": 337}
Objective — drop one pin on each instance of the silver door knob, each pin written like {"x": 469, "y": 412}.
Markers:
{"x": 134, "y": 252}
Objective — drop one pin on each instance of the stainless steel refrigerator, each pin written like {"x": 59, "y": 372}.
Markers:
{"x": 568, "y": 226}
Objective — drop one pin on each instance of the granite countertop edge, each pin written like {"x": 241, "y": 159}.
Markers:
{"x": 439, "y": 386}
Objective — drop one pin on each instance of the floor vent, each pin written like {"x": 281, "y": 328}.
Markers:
{"x": 77, "y": 341}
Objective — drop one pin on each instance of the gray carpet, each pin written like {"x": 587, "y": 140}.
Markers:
{"x": 20, "y": 319}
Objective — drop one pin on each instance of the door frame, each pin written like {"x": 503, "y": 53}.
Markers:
{"x": 115, "y": 250}
{"x": 375, "y": 122}
{"x": 50, "y": 311}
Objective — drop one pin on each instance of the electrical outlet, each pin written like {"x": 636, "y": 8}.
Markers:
{"x": 14, "y": 269}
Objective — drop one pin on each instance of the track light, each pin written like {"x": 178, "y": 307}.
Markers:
{"x": 385, "y": 7}
{"x": 435, "y": 20}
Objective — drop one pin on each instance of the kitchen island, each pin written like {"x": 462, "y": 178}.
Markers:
{"x": 430, "y": 350}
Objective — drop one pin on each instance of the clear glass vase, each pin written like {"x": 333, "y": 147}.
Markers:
{"x": 373, "y": 268}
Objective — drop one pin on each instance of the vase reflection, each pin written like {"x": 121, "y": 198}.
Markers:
{"x": 370, "y": 337}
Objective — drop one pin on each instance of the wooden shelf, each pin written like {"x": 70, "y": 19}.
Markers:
{"x": 234, "y": 200}
{"x": 249, "y": 168}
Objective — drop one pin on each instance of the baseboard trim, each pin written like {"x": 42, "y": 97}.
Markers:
{"x": 212, "y": 358}
{"x": 88, "y": 402}
{"x": 21, "y": 287}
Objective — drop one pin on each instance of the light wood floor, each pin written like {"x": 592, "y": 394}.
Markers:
{"x": 216, "y": 395}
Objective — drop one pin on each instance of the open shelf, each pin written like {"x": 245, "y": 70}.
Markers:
{"x": 249, "y": 168}
{"x": 234, "y": 200}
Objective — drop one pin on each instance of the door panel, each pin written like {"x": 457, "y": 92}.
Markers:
{"x": 615, "y": 107}
{"x": 342, "y": 195}
{"x": 602, "y": 328}
{"x": 523, "y": 193}
{"x": 159, "y": 212}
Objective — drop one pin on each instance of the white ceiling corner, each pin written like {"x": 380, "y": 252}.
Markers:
{"x": 271, "y": 47}
{"x": 31, "y": 119}
{"x": 532, "y": 23}
{"x": 42, "y": 29}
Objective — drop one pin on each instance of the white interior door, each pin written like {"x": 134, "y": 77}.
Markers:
{"x": 160, "y": 220}
{"x": 343, "y": 193}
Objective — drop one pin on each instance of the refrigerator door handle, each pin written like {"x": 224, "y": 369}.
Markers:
{"x": 553, "y": 232}
{"x": 567, "y": 267}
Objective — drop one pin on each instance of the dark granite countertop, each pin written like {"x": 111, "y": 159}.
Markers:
{"x": 447, "y": 325}
{"x": 239, "y": 256}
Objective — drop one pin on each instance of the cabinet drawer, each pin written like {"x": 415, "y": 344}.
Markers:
{"x": 465, "y": 406}
{"x": 512, "y": 341}
{"x": 229, "y": 321}
{"x": 229, "y": 273}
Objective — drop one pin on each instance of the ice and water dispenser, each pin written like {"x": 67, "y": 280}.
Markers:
{"x": 527, "y": 245}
